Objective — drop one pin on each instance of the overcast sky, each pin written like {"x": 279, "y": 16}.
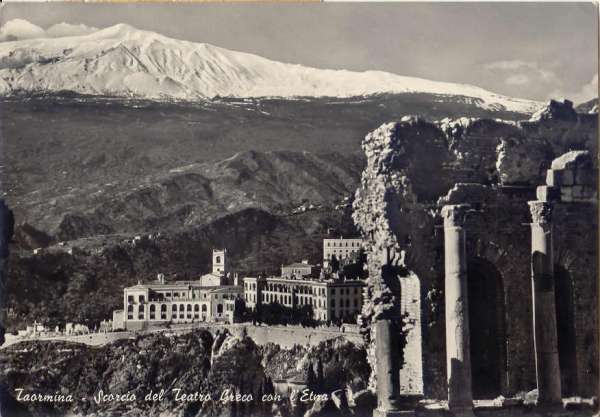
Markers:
{"x": 530, "y": 50}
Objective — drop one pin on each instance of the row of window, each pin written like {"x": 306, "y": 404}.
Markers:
{"x": 320, "y": 303}
{"x": 163, "y": 316}
{"x": 346, "y": 291}
{"x": 166, "y": 296}
{"x": 269, "y": 297}
{"x": 341, "y": 251}
{"x": 281, "y": 288}
{"x": 300, "y": 289}
{"x": 305, "y": 270}
{"x": 160, "y": 297}
{"x": 346, "y": 303}
{"x": 353, "y": 244}
{"x": 175, "y": 308}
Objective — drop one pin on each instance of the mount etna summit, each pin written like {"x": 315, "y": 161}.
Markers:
{"x": 123, "y": 61}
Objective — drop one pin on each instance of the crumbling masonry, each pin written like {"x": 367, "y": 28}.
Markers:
{"x": 498, "y": 223}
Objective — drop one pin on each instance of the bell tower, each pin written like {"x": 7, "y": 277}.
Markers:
{"x": 220, "y": 264}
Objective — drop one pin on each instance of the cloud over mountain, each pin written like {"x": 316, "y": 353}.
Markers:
{"x": 63, "y": 29}
{"x": 585, "y": 93}
{"x": 530, "y": 74}
{"x": 17, "y": 29}
{"x": 20, "y": 29}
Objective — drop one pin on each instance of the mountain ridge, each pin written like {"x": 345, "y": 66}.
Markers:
{"x": 124, "y": 61}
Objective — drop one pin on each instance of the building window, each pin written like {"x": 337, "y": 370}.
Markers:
{"x": 130, "y": 309}
{"x": 142, "y": 299}
{"x": 196, "y": 307}
{"x": 174, "y": 308}
{"x": 130, "y": 298}
{"x": 204, "y": 308}
{"x": 332, "y": 303}
{"x": 189, "y": 307}
{"x": 141, "y": 315}
{"x": 219, "y": 308}
{"x": 152, "y": 312}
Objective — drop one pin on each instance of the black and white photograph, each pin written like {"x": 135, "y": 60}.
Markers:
{"x": 308, "y": 209}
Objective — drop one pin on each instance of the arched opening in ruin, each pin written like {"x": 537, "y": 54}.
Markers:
{"x": 565, "y": 329}
{"x": 487, "y": 328}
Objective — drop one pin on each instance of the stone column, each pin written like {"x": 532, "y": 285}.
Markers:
{"x": 544, "y": 310}
{"x": 388, "y": 368}
{"x": 387, "y": 327}
{"x": 458, "y": 355}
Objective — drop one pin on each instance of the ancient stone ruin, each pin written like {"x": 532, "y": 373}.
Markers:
{"x": 497, "y": 223}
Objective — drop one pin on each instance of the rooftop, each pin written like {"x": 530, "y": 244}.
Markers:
{"x": 178, "y": 284}
{"x": 298, "y": 265}
{"x": 330, "y": 282}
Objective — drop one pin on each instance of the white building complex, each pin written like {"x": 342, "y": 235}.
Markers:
{"x": 330, "y": 299}
{"x": 341, "y": 248}
{"x": 211, "y": 298}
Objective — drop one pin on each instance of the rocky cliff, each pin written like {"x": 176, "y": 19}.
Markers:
{"x": 168, "y": 368}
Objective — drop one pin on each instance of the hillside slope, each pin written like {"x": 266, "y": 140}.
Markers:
{"x": 141, "y": 166}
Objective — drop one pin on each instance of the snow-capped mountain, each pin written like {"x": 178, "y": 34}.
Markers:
{"x": 123, "y": 61}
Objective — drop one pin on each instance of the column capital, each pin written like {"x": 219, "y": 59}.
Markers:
{"x": 455, "y": 214}
{"x": 541, "y": 211}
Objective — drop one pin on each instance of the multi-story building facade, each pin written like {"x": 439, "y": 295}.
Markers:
{"x": 211, "y": 298}
{"x": 341, "y": 248}
{"x": 297, "y": 269}
{"x": 331, "y": 299}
